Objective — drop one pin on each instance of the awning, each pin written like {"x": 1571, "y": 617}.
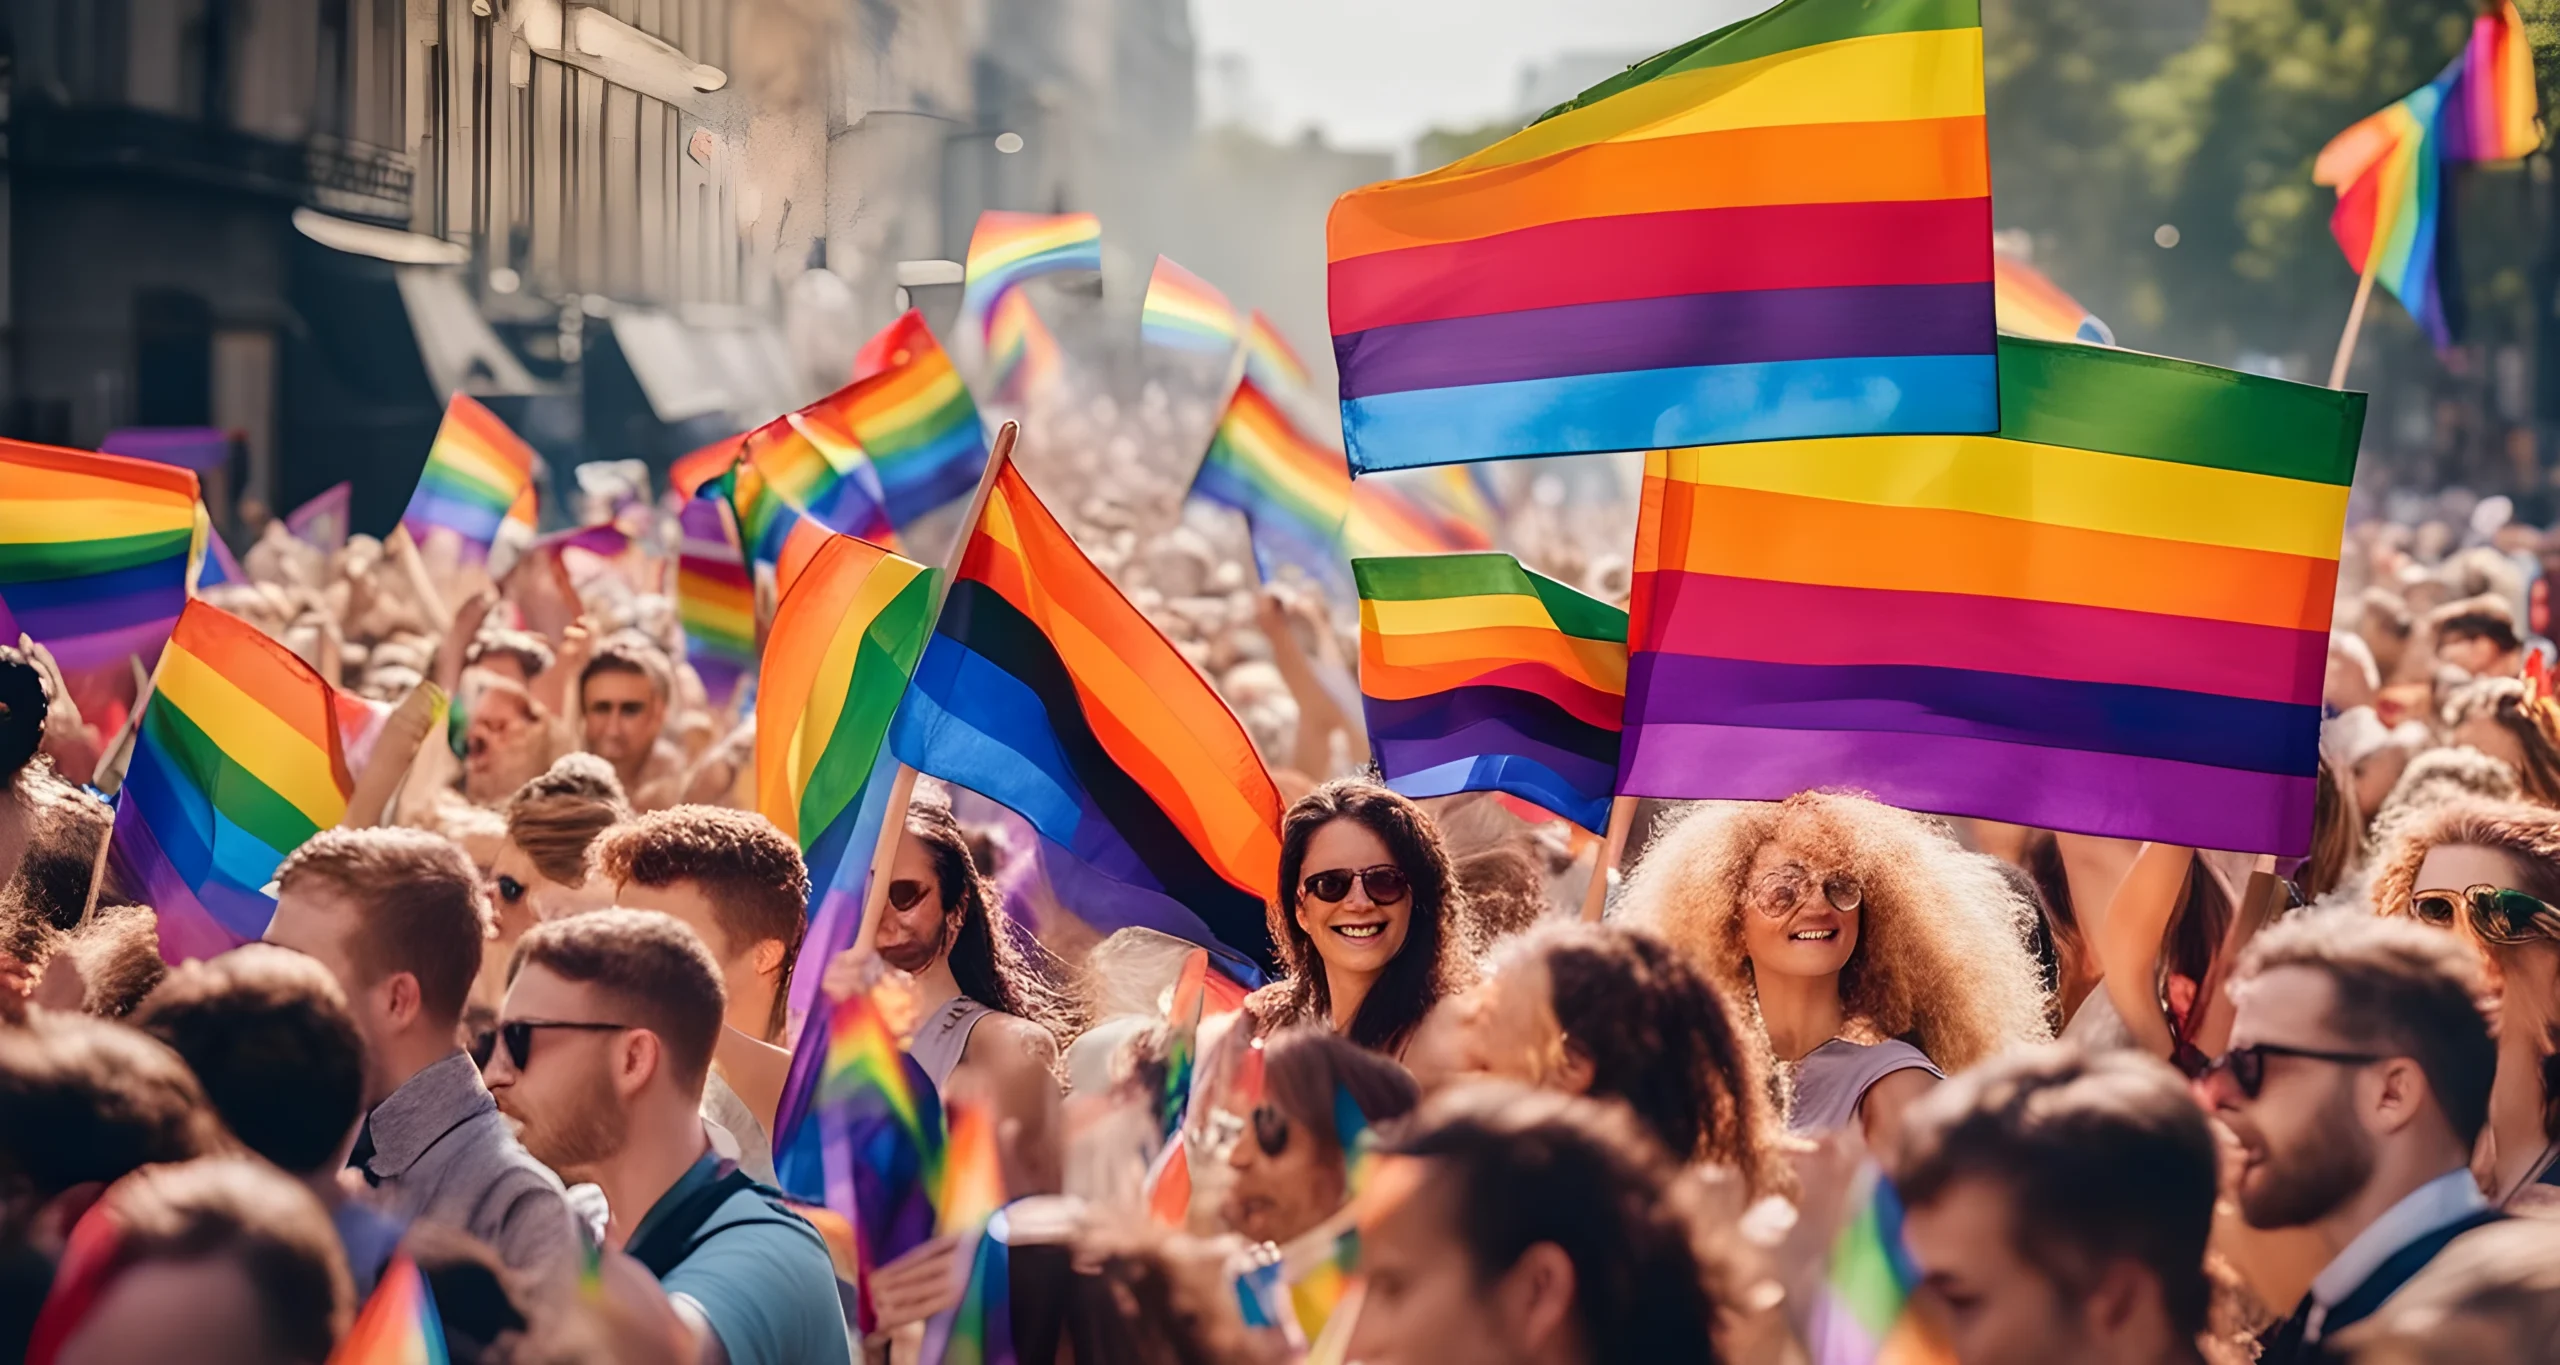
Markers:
{"x": 381, "y": 243}
{"x": 688, "y": 369}
{"x": 462, "y": 354}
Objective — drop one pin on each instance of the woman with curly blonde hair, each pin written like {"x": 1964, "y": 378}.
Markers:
{"x": 1880, "y": 954}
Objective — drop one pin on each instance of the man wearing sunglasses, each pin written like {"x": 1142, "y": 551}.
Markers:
{"x": 2357, "y": 1081}
{"x": 601, "y": 1051}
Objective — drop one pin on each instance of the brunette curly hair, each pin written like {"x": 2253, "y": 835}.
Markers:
{"x": 1942, "y": 958}
{"x": 1430, "y": 966}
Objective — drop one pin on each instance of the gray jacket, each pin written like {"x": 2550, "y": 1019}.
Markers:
{"x": 438, "y": 1150}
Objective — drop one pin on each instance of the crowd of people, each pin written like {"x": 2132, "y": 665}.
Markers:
{"x": 529, "y": 1034}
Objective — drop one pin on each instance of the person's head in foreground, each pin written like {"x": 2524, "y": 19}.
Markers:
{"x": 397, "y": 916}
{"x": 1863, "y": 922}
{"x": 737, "y": 880}
{"x": 2359, "y": 1069}
{"x": 622, "y": 703}
{"x": 212, "y": 1262}
{"x": 1290, "y": 1166}
{"x": 541, "y": 870}
{"x": 2058, "y": 1203}
{"x": 1509, "y": 1226}
{"x": 84, "y": 1103}
{"x": 2492, "y": 1296}
{"x": 940, "y": 909}
{"x": 1616, "y": 1013}
{"x": 607, "y": 1031}
{"x": 268, "y": 1034}
{"x": 1363, "y": 922}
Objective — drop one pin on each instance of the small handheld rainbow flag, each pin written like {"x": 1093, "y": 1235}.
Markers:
{"x": 860, "y": 1133}
{"x": 915, "y": 419}
{"x": 980, "y": 1330}
{"x": 1269, "y": 360}
{"x": 806, "y": 464}
{"x": 1184, "y": 312}
{"x": 2032, "y": 305}
{"x": 844, "y": 640}
{"x": 1425, "y": 515}
{"x": 1860, "y": 1315}
{"x": 1322, "y": 1272}
{"x": 476, "y": 473}
{"x": 1022, "y": 357}
{"x": 398, "y": 1325}
{"x": 1294, "y": 490}
{"x": 94, "y": 561}
{"x": 1479, "y": 675}
{"x": 1007, "y": 248}
{"x": 322, "y": 522}
{"x": 715, "y": 600}
{"x": 972, "y": 1178}
{"x": 239, "y": 760}
{"x": 1200, "y": 993}
{"x": 691, "y": 471}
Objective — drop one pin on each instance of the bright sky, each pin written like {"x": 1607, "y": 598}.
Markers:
{"x": 1377, "y": 73}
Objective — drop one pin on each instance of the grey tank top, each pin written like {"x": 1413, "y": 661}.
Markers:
{"x": 943, "y": 1038}
{"x": 1834, "y": 1077}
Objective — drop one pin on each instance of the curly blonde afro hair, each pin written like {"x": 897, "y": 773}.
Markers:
{"x": 1942, "y": 958}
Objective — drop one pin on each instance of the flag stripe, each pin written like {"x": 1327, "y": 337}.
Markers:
{"x": 1529, "y": 718}
{"x": 1600, "y": 665}
{"x": 915, "y": 418}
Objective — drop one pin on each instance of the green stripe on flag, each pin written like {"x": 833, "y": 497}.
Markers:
{"x": 1428, "y": 578}
{"x": 1795, "y": 24}
{"x": 232, "y": 789}
{"x": 2154, "y": 408}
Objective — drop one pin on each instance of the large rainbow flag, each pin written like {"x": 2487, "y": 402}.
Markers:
{"x": 476, "y": 473}
{"x": 1479, "y": 675}
{"x": 1044, "y": 689}
{"x": 715, "y": 599}
{"x": 1294, "y": 490}
{"x": 844, "y": 639}
{"x": 915, "y": 419}
{"x": 2388, "y": 168}
{"x": 2109, "y": 618}
{"x": 1007, "y": 248}
{"x": 1780, "y": 230}
{"x": 238, "y": 761}
{"x": 1184, "y": 312}
{"x": 94, "y": 554}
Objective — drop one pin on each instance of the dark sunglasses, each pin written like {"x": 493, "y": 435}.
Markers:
{"x": 1270, "y": 1129}
{"x": 2247, "y": 1066}
{"x": 1385, "y": 885}
{"x": 517, "y": 1036}
{"x": 2498, "y": 914}
{"x": 905, "y": 892}
{"x": 510, "y": 890}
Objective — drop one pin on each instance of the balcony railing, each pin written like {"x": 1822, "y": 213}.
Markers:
{"x": 329, "y": 173}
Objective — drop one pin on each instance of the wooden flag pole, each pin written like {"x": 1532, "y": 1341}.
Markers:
{"x": 893, "y": 824}
{"x": 1622, "y": 817}
{"x": 2355, "y": 320}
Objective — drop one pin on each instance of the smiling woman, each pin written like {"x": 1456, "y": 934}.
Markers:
{"x": 1362, "y": 918}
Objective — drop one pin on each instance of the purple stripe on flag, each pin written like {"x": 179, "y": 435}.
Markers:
{"x": 2072, "y": 790}
{"x": 111, "y": 647}
{"x": 1737, "y": 328}
{"x": 188, "y": 930}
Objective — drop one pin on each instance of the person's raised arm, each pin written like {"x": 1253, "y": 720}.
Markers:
{"x": 2129, "y": 941}
{"x": 1319, "y": 714}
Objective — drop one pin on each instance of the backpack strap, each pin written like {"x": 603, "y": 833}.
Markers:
{"x": 673, "y": 1240}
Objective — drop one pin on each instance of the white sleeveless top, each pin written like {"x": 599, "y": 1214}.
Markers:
{"x": 943, "y": 1038}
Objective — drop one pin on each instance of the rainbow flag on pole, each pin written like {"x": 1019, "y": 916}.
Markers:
{"x": 94, "y": 558}
{"x": 1007, "y": 248}
{"x": 476, "y": 473}
{"x": 238, "y": 761}
{"x": 915, "y": 419}
{"x": 715, "y": 600}
{"x": 1184, "y": 312}
{"x": 1042, "y": 688}
{"x": 2108, "y": 618}
{"x": 1479, "y": 675}
{"x": 860, "y": 1134}
{"x": 2032, "y": 305}
{"x": 398, "y": 1325}
{"x": 807, "y": 463}
{"x": 844, "y": 639}
{"x": 1294, "y": 490}
{"x": 1780, "y": 230}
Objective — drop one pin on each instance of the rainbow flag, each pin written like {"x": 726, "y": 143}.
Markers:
{"x": 94, "y": 561}
{"x": 1294, "y": 491}
{"x": 914, "y": 417}
{"x": 860, "y": 1134}
{"x": 844, "y": 639}
{"x": 715, "y": 600}
{"x": 1167, "y": 1186}
{"x": 1269, "y": 360}
{"x": 1860, "y": 1312}
{"x": 2388, "y": 168}
{"x": 1320, "y": 1284}
{"x": 980, "y": 1330}
{"x": 2109, "y": 618}
{"x": 398, "y": 1325}
{"x": 1479, "y": 675}
{"x": 1184, "y": 312}
{"x": 1413, "y": 518}
{"x": 238, "y": 760}
{"x": 691, "y": 471}
{"x": 972, "y": 1178}
{"x": 1779, "y": 230}
{"x": 476, "y": 473}
{"x": 1022, "y": 357}
{"x": 1200, "y": 993}
{"x": 2032, "y": 305}
{"x": 808, "y": 464}
{"x": 1007, "y": 248}
{"x": 1042, "y": 688}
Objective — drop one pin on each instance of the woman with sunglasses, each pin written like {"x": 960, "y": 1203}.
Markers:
{"x": 1289, "y": 1170}
{"x": 1363, "y": 922}
{"x": 1880, "y": 955}
{"x": 540, "y": 871}
{"x": 2490, "y": 871}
